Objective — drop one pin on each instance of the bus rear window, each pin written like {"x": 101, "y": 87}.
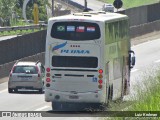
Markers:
{"x": 76, "y": 31}
{"x": 75, "y": 61}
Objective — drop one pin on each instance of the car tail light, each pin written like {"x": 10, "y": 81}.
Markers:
{"x": 11, "y": 71}
{"x": 38, "y": 71}
{"x": 10, "y": 74}
{"x": 38, "y": 75}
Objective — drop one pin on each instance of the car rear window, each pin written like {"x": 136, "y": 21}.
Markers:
{"x": 25, "y": 69}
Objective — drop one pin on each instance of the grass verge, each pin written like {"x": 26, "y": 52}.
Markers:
{"x": 147, "y": 98}
{"x": 17, "y": 32}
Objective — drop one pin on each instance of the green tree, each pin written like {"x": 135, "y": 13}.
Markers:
{"x": 6, "y": 8}
{"x": 29, "y": 9}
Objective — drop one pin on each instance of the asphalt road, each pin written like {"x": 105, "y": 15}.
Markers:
{"x": 92, "y": 4}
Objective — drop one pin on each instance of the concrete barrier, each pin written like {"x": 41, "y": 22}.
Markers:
{"x": 22, "y": 46}
{"x": 143, "y": 29}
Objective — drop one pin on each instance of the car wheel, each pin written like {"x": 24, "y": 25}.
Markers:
{"x": 41, "y": 90}
{"x": 15, "y": 90}
{"x": 10, "y": 90}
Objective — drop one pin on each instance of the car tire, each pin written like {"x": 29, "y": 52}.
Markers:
{"x": 41, "y": 90}
{"x": 10, "y": 90}
{"x": 15, "y": 90}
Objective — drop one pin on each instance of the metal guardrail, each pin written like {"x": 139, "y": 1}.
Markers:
{"x": 26, "y": 27}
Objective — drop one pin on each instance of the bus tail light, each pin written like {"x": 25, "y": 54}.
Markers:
{"x": 100, "y": 86}
{"x": 12, "y": 71}
{"x": 38, "y": 71}
{"x": 48, "y": 69}
{"x": 48, "y": 79}
{"x": 100, "y": 71}
{"x": 100, "y": 81}
{"x": 100, "y": 76}
{"x": 48, "y": 74}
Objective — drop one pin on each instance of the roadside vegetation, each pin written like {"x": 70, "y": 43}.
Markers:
{"x": 11, "y": 14}
{"x": 133, "y": 3}
{"x": 17, "y": 32}
{"x": 147, "y": 98}
{"x": 11, "y": 11}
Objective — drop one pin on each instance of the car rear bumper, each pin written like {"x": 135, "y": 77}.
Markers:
{"x": 25, "y": 85}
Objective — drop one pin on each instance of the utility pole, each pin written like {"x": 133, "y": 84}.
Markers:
{"x": 52, "y": 8}
{"x": 35, "y": 12}
{"x": 85, "y": 6}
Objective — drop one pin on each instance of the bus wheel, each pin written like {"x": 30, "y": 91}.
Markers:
{"x": 56, "y": 106}
{"x": 110, "y": 92}
{"x": 110, "y": 96}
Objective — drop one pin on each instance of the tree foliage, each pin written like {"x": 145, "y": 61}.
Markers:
{"x": 29, "y": 9}
{"x": 8, "y": 7}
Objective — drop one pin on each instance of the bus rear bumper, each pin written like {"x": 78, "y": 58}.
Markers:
{"x": 88, "y": 97}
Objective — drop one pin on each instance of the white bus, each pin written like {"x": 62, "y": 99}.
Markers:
{"x": 88, "y": 59}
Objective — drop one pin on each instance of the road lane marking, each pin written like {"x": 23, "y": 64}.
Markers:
{"x": 42, "y": 108}
{"x": 157, "y": 61}
{"x": 134, "y": 70}
{"x": 3, "y": 90}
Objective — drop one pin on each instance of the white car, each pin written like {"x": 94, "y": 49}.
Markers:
{"x": 26, "y": 75}
{"x": 108, "y": 8}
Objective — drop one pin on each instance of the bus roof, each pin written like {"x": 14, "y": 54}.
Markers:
{"x": 93, "y": 15}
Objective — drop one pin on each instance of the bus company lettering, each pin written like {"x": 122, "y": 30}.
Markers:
{"x": 76, "y": 51}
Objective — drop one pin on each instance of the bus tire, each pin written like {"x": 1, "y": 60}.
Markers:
{"x": 110, "y": 93}
{"x": 57, "y": 106}
{"x": 110, "y": 96}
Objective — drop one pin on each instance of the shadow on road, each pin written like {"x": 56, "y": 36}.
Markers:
{"x": 28, "y": 92}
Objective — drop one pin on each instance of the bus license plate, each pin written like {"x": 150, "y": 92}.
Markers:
{"x": 73, "y": 97}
